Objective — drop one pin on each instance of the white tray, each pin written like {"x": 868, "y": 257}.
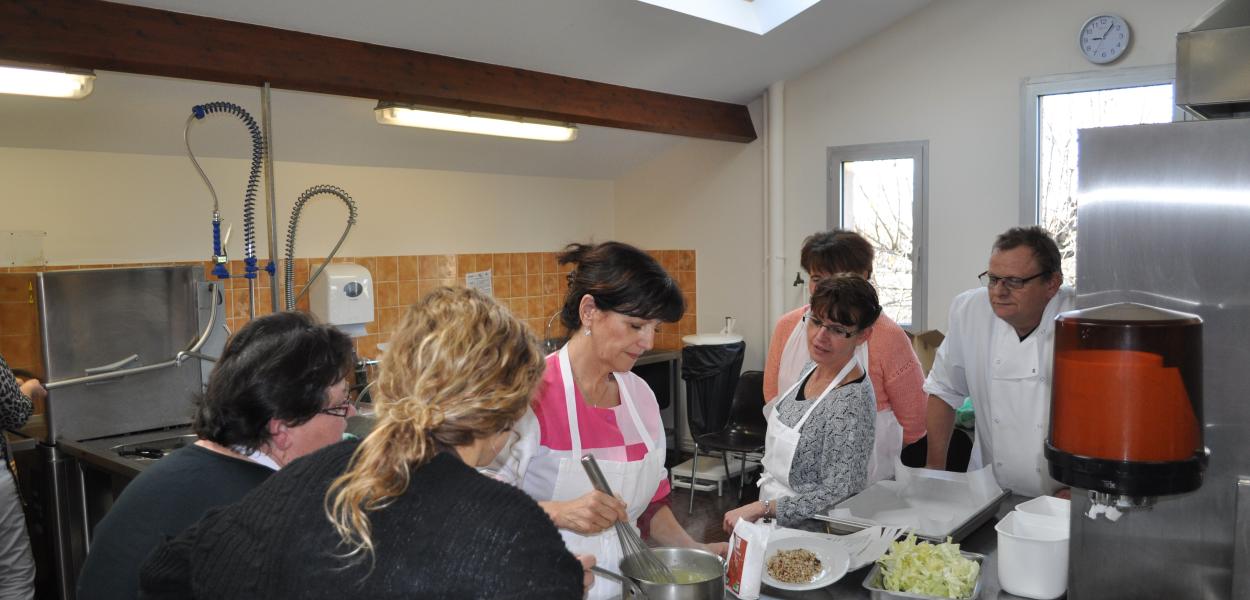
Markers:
{"x": 936, "y": 505}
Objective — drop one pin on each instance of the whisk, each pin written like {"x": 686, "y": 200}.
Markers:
{"x": 650, "y": 567}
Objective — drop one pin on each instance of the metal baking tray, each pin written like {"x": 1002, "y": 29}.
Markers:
{"x": 872, "y": 583}
{"x": 961, "y": 531}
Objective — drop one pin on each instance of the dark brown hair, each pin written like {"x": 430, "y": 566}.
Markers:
{"x": 1037, "y": 239}
{"x": 278, "y": 366}
{"x": 847, "y": 299}
{"x": 837, "y": 251}
{"x": 622, "y": 279}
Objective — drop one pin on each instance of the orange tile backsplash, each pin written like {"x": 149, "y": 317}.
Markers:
{"x": 530, "y": 284}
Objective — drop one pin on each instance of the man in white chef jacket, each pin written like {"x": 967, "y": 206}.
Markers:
{"x": 999, "y": 351}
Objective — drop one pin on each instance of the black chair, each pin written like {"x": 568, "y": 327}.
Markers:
{"x": 742, "y": 434}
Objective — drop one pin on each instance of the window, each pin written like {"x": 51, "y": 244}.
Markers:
{"x": 1055, "y": 109}
{"x": 879, "y": 191}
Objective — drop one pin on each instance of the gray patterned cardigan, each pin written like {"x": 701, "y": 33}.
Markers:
{"x": 831, "y": 461}
{"x": 15, "y": 407}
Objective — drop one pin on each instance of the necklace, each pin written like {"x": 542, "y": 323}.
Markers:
{"x": 603, "y": 397}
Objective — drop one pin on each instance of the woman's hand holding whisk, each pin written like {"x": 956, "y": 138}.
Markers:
{"x": 588, "y": 514}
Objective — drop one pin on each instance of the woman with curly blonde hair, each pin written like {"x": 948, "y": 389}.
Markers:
{"x": 403, "y": 512}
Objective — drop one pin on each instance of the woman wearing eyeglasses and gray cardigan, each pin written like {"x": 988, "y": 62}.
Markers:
{"x": 821, "y": 429}
{"x": 896, "y": 375}
{"x": 278, "y": 392}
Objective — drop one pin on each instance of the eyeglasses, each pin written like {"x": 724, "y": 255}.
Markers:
{"x": 342, "y": 409}
{"x": 833, "y": 328}
{"x": 1012, "y": 283}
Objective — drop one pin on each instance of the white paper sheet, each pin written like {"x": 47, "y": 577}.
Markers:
{"x": 932, "y": 503}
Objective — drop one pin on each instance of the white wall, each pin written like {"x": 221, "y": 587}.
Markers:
{"x": 951, "y": 73}
{"x": 707, "y": 196}
{"x": 109, "y": 207}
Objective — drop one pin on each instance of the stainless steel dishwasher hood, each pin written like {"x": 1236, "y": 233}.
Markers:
{"x": 1212, "y": 73}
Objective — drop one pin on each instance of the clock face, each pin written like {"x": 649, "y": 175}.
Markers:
{"x": 1104, "y": 38}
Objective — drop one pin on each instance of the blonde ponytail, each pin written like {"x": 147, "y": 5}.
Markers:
{"x": 459, "y": 368}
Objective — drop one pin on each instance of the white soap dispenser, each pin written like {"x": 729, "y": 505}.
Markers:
{"x": 343, "y": 296}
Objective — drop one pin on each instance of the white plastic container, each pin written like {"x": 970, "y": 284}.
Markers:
{"x": 1049, "y": 506}
{"x": 1047, "y": 511}
{"x": 1032, "y": 557}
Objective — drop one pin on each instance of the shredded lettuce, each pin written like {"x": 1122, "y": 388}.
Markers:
{"x": 923, "y": 568}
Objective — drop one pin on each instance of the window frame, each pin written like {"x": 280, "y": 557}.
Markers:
{"x": 918, "y": 152}
{"x": 1031, "y": 91}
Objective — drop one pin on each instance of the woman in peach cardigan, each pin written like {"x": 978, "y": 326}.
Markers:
{"x": 892, "y": 365}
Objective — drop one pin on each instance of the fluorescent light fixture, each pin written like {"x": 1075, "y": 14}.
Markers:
{"x": 50, "y": 82}
{"x": 471, "y": 122}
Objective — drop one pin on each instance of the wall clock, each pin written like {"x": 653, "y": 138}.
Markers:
{"x": 1104, "y": 38}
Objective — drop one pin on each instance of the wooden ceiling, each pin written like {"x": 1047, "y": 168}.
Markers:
{"x": 90, "y": 34}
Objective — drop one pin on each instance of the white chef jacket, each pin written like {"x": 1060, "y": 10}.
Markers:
{"x": 1009, "y": 381}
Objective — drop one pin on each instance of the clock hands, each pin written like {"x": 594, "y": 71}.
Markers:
{"x": 1104, "y": 34}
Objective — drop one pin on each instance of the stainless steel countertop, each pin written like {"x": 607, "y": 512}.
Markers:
{"x": 982, "y": 541}
{"x": 99, "y": 453}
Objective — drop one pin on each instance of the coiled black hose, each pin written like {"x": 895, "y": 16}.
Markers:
{"x": 253, "y": 180}
{"x": 288, "y": 267}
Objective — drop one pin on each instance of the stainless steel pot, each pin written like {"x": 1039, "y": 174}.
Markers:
{"x": 691, "y": 562}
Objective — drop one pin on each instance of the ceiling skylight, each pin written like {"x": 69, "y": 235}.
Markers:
{"x": 756, "y": 16}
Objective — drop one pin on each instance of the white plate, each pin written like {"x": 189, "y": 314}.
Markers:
{"x": 834, "y": 561}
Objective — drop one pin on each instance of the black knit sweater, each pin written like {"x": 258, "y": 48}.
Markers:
{"x": 453, "y": 534}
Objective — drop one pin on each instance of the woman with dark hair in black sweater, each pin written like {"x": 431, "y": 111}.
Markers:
{"x": 277, "y": 393}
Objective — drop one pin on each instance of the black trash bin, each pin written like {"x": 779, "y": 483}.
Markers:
{"x": 711, "y": 374}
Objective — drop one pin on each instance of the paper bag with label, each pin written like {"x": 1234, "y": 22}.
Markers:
{"x": 746, "y": 558}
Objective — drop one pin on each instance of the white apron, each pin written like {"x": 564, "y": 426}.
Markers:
{"x": 634, "y": 482}
{"x": 781, "y": 440}
{"x": 888, "y": 442}
{"x": 1018, "y": 414}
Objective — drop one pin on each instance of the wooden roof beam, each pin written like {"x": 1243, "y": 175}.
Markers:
{"x": 91, "y": 34}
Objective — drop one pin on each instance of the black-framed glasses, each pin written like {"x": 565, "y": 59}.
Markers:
{"x": 834, "y": 328}
{"x": 340, "y": 410}
{"x": 1012, "y": 283}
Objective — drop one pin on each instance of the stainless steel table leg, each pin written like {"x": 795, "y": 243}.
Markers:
{"x": 694, "y": 465}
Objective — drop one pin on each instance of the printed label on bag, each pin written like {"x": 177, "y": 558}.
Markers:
{"x": 737, "y": 556}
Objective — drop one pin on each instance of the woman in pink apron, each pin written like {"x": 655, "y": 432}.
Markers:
{"x": 893, "y": 368}
{"x": 590, "y": 403}
{"x": 821, "y": 429}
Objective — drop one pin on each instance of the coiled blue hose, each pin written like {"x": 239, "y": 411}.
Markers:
{"x": 249, "y": 199}
{"x": 288, "y": 268}
{"x": 219, "y": 269}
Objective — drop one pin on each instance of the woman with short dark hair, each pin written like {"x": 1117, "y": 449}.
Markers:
{"x": 278, "y": 392}
{"x": 821, "y": 429}
{"x": 590, "y": 403}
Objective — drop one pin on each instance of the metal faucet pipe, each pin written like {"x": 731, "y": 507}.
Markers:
{"x": 266, "y": 121}
{"x": 288, "y": 269}
{"x": 249, "y": 200}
